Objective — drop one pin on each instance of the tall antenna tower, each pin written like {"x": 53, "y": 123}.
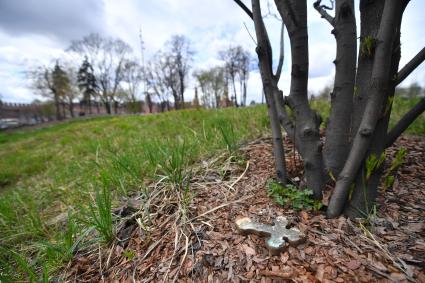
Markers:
{"x": 142, "y": 56}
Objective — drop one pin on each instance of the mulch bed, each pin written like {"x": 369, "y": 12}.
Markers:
{"x": 210, "y": 249}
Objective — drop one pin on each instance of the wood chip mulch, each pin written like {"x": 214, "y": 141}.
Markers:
{"x": 391, "y": 249}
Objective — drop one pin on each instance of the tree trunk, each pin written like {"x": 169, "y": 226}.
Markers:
{"x": 63, "y": 110}
{"x": 115, "y": 106}
{"x": 337, "y": 142}
{"x": 57, "y": 107}
{"x": 234, "y": 91}
{"x": 71, "y": 109}
{"x": 379, "y": 85}
{"x": 269, "y": 86}
{"x": 365, "y": 193}
{"x": 307, "y": 122}
{"x": 182, "y": 87}
{"x": 108, "y": 107}
{"x": 370, "y": 18}
{"x": 89, "y": 102}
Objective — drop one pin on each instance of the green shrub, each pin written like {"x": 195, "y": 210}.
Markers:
{"x": 293, "y": 197}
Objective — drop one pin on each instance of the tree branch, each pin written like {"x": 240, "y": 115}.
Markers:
{"x": 245, "y": 8}
{"x": 281, "y": 55}
{"x": 322, "y": 11}
{"x": 411, "y": 66}
{"x": 405, "y": 122}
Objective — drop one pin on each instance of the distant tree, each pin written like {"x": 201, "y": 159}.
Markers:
{"x": 159, "y": 79}
{"x": 237, "y": 61}
{"x": 107, "y": 57}
{"x": 195, "y": 101}
{"x": 87, "y": 83}
{"x": 178, "y": 56}
{"x": 243, "y": 66}
{"x": 62, "y": 86}
{"x": 52, "y": 83}
{"x": 212, "y": 84}
{"x": 132, "y": 77}
{"x": 73, "y": 92}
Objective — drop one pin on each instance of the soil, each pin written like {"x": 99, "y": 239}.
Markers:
{"x": 209, "y": 248}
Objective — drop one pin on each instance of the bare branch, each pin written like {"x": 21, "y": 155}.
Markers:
{"x": 405, "y": 122}
{"x": 281, "y": 55}
{"x": 411, "y": 66}
{"x": 247, "y": 30}
{"x": 245, "y": 8}
{"x": 322, "y": 11}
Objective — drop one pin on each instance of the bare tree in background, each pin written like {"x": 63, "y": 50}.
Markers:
{"x": 243, "y": 66}
{"x": 52, "y": 83}
{"x": 230, "y": 57}
{"x": 132, "y": 77}
{"x": 178, "y": 56}
{"x": 158, "y": 78}
{"x": 361, "y": 100}
{"x": 107, "y": 56}
{"x": 212, "y": 85}
{"x": 237, "y": 61}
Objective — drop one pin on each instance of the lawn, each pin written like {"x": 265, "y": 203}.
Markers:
{"x": 52, "y": 173}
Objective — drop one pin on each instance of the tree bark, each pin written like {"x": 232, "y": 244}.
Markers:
{"x": 269, "y": 86}
{"x": 370, "y": 18}
{"x": 379, "y": 86}
{"x": 337, "y": 142}
{"x": 307, "y": 122}
{"x": 365, "y": 193}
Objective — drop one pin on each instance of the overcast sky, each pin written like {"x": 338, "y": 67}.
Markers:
{"x": 35, "y": 32}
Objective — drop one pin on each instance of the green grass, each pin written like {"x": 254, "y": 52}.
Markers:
{"x": 81, "y": 169}
{"x": 400, "y": 106}
{"x": 85, "y": 167}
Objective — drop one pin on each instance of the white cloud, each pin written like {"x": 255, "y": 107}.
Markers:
{"x": 210, "y": 25}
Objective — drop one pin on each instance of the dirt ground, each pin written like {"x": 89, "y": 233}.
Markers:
{"x": 208, "y": 248}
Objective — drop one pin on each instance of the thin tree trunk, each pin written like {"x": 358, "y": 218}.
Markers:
{"x": 234, "y": 91}
{"x": 337, "y": 142}
{"x": 269, "y": 86}
{"x": 71, "y": 108}
{"x": 90, "y": 110}
{"x": 57, "y": 107}
{"x": 182, "y": 87}
{"x": 108, "y": 107}
{"x": 294, "y": 15}
{"x": 63, "y": 110}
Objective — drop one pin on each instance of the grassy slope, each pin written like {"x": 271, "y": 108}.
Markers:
{"x": 47, "y": 171}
